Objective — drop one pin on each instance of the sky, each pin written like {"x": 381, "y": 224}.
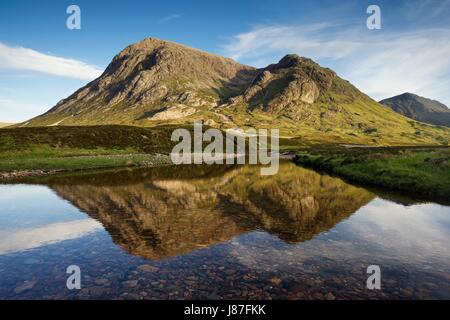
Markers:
{"x": 42, "y": 61}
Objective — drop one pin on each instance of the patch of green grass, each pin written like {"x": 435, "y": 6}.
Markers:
{"x": 147, "y": 140}
{"x": 74, "y": 148}
{"x": 45, "y": 151}
{"x": 416, "y": 171}
{"x": 80, "y": 162}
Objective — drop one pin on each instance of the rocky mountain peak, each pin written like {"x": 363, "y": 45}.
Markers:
{"x": 162, "y": 80}
{"x": 288, "y": 61}
{"x": 153, "y": 73}
{"x": 289, "y": 86}
{"x": 157, "y": 82}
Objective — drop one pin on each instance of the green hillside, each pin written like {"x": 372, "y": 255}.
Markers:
{"x": 157, "y": 83}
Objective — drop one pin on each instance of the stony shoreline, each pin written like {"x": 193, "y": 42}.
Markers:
{"x": 23, "y": 174}
{"x": 26, "y": 174}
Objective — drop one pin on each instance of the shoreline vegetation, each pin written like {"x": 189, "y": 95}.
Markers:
{"x": 40, "y": 151}
{"x": 33, "y": 152}
{"x": 39, "y": 167}
{"x": 415, "y": 171}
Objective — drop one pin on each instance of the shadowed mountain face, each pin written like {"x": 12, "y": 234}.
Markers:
{"x": 156, "y": 82}
{"x": 164, "y": 212}
{"x": 419, "y": 108}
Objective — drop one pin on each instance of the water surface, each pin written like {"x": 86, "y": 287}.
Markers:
{"x": 211, "y": 232}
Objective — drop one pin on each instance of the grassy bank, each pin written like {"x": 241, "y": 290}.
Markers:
{"x": 31, "y": 162}
{"x": 143, "y": 140}
{"x": 421, "y": 171}
{"x": 46, "y": 149}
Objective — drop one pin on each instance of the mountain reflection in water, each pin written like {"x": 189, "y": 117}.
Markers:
{"x": 170, "y": 211}
{"x": 217, "y": 232}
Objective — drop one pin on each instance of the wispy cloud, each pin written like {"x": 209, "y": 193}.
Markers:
{"x": 319, "y": 40}
{"x": 380, "y": 64}
{"x": 428, "y": 8}
{"x": 412, "y": 62}
{"x": 169, "y": 17}
{"x": 19, "y": 58}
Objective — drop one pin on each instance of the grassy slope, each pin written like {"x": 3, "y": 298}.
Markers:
{"x": 418, "y": 171}
{"x": 362, "y": 121}
{"x": 59, "y": 148}
{"x": 352, "y": 124}
{"x": 342, "y": 115}
{"x": 422, "y": 171}
{"x": 5, "y": 124}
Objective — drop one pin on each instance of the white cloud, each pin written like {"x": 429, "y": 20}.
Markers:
{"x": 380, "y": 64}
{"x": 313, "y": 40}
{"x": 169, "y": 17}
{"x": 19, "y": 58}
{"x": 414, "y": 62}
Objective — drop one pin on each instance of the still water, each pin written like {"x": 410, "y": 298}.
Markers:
{"x": 206, "y": 232}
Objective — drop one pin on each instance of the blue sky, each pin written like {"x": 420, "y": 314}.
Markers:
{"x": 41, "y": 61}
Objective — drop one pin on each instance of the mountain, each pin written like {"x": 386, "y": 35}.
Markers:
{"x": 156, "y": 82}
{"x": 419, "y": 108}
{"x": 148, "y": 78}
{"x": 5, "y": 124}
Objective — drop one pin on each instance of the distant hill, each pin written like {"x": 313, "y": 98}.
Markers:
{"x": 5, "y": 124}
{"x": 156, "y": 82}
{"x": 419, "y": 108}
